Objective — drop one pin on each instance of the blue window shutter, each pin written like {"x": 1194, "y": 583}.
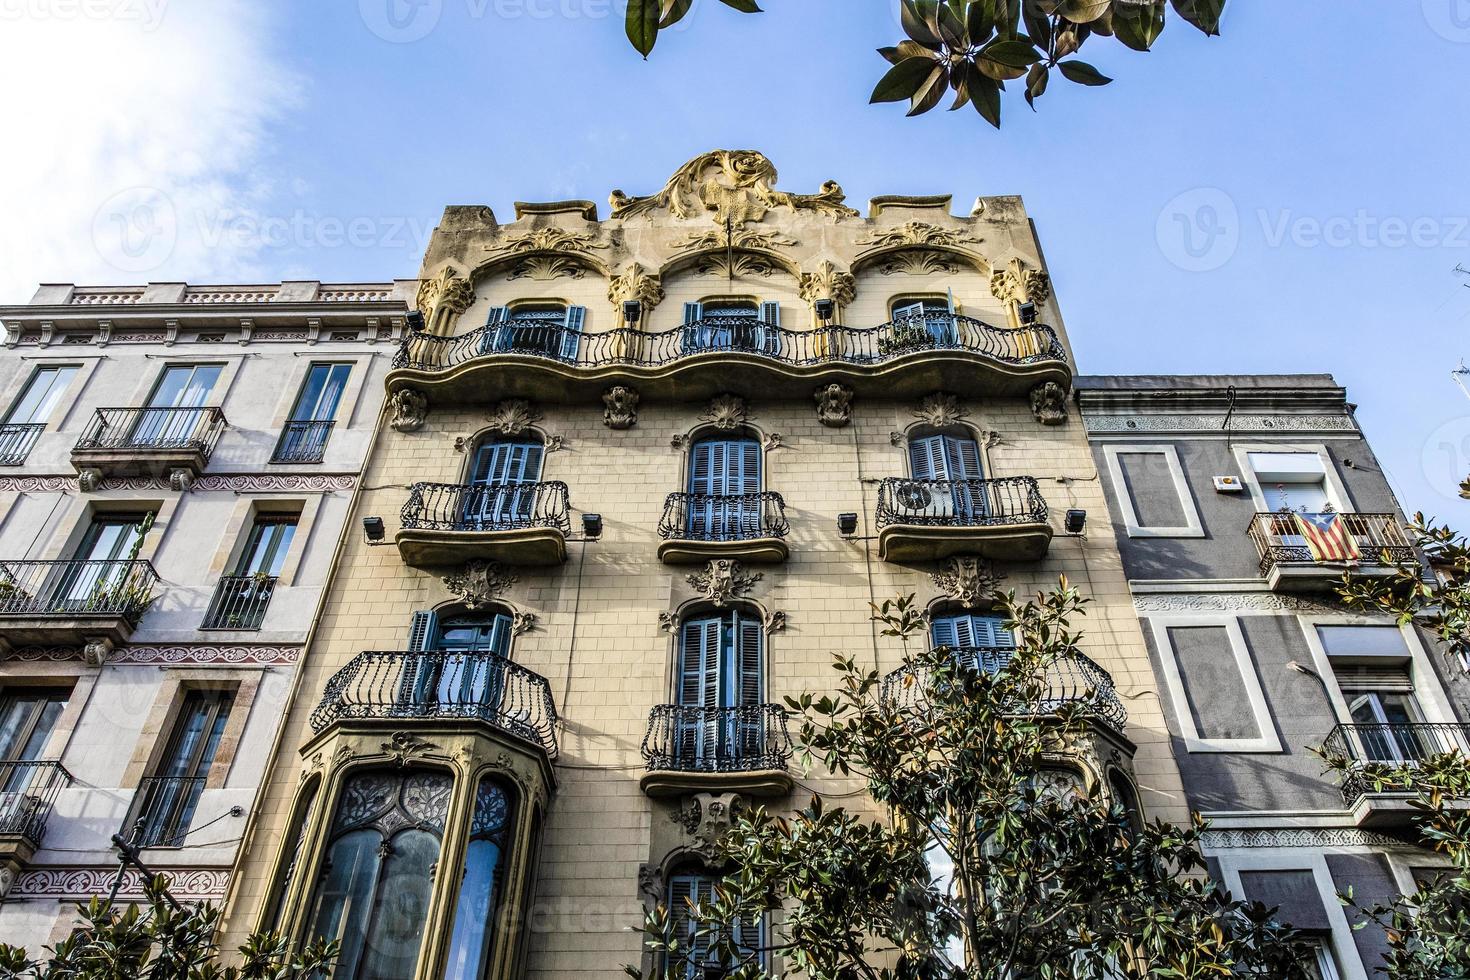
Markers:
{"x": 421, "y": 631}
{"x": 572, "y": 336}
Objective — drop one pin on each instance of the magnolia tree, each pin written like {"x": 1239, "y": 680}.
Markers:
{"x": 979, "y": 862}
{"x": 160, "y": 940}
{"x": 972, "y": 48}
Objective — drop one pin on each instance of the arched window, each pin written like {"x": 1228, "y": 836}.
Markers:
{"x": 696, "y": 957}
{"x": 503, "y": 484}
{"x": 732, "y": 324}
{"x": 946, "y": 469}
{"x": 542, "y": 329}
{"x": 725, "y": 484}
{"x": 375, "y": 884}
{"x": 721, "y": 684}
{"x": 481, "y": 883}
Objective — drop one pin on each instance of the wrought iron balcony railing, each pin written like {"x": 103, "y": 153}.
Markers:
{"x": 303, "y": 442}
{"x": 442, "y": 684}
{"x": 163, "y": 810}
{"x": 142, "y": 430}
{"x": 239, "y": 602}
{"x": 709, "y": 517}
{"x": 1384, "y": 746}
{"x": 1278, "y": 539}
{"x": 16, "y": 440}
{"x": 117, "y": 587}
{"x": 739, "y": 335}
{"x": 483, "y": 507}
{"x": 28, "y": 792}
{"x": 1070, "y": 679}
{"x": 750, "y": 738}
{"x": 960, "y": 503}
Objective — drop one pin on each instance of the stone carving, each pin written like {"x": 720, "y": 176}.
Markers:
{"x": 89, "y": 479}
{"x": 442, "y": 299}
{"x": 404, "y": 746}
{"x": 940, "y": 409}
{"x": 522, "y": 622}
{"x": 829, "y": 282}
{"x": 968, "y": 581}
{"x": 723, "y": 580}
{"x": 834, "y": 405}
{"x": 726, "y": 412}
{"x": 180, "y": 480}
{"x": 635, "y": 283}
{"x": 1049, "y": 403}
{"x": 737, "y": 185}
{"x": 513, "y": 416}
{"x": 410, "y": 409}
{"x": 480, "y": 582}
{"x": 708, "y": 818}
{"x": 620, "y": 409}
{"x": 95, "y": 650}
{"x": 918, "y": 233}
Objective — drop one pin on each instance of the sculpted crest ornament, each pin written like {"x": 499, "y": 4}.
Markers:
{"x": 737, "y": 185}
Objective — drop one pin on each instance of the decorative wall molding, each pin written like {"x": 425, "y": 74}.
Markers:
{"x": 1215, "y": 423}
{"x": 1228, "y": 602}
{"x": 192, "y": 884}
{"x": 1315, "y": 837}
{"x": 191, "y": 655}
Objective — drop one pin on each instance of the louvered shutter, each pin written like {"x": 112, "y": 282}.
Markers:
{"x": 496, "y": 336}
{"x": 572, "y": 336}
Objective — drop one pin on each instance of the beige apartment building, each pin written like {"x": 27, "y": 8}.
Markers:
{"x": 638, "y": 476}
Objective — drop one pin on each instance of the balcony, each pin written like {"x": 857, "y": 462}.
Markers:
{"x": 1071, "y": 679}
{"x": 1289, "y": 563}
{"x": 442, "y": 686}
{"x": 694, "y": 750}
{"x": 1372, "y": 750}
{"x": 303, "y": 442}
{"x": 451, "y": 523}
{"x": 905, "y": 358}
{"x": 749, "y": 527}
{"x": 928, "y": 520}
{"x": 239, "y": 602}
{"x": 148, "y": 442}
{"x": 162, "y": 810}
{"x": 95, "y": 603}
{"x": 28, "y": 792}
{"x": 16, "y": 441}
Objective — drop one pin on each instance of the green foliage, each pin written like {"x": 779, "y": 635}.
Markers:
{"x": 1049, "y": 880}
{"x": 160, "y": 941}
{"x": 973, "y": 47}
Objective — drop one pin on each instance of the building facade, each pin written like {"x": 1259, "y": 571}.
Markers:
{"x": 176, "y": 465}
{"x": 1216, "y": 486}
{"x": 641, "y": 477}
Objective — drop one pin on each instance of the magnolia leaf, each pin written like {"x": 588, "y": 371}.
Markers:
{"x": 903, "y": 80}
{"x": 1082, "y": 73}
{"x": 642, "y": 25}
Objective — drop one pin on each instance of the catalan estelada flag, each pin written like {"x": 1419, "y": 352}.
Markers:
{"x": 1327, "y": 537}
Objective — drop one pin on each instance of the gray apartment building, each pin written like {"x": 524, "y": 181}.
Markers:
{"x": 1239, "y": 503}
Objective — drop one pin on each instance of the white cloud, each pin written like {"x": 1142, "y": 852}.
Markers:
{"x": 133, "y": 128}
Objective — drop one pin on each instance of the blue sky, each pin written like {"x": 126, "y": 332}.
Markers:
{"x": 1289, "y": 197}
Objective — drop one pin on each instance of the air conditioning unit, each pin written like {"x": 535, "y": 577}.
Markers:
{"x": 918, "y": 500}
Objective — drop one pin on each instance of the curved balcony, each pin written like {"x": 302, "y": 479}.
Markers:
{"x": 697, "y": 527}
{"x": 927, "y": 520}
{"x": 1365, "y": 545}
{"x": 148, "y": 441}
{"x": 1071, "y": 679}
{"x": 402, "y": 687}
{"x": 1373, "y": 750}
{"x": 95, "y": 603}
{"x": 451, "y": 523}
{"x": 694, "y": 749}
{"x": 904, "y": 358}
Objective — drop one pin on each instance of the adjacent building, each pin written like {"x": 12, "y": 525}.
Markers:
{"x": 1239, "y": 504}
{"x": 176, "y": 464}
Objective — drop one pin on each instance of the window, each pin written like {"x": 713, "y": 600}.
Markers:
{"x": 304, "y": 439}
{"x": 926, "y": 322}
{"x": 697, "y": 958}
{"x": 28, "y": 416}
{"x": 168, "y": 798}
{"x": 375, "y": 884}
{"x": 720, "y": 671}
{"x": 174, "y": 415}
{"x": 481, "y": 883}
{"x": 724, "y": 501}
{"x": 732, "y": 324}
{"x": 542, "y": 329}
{"x": 241, "y": 598}
{"x": 504, "y": 484}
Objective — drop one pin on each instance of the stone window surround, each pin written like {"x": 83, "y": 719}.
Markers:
{"x": 1428, "y": 691}
{"x": 1192, "y": 528}
{"x": 1268, "y": 741}
{"x": 1344, "y": 950}
{"x": 1336, "y": 490}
